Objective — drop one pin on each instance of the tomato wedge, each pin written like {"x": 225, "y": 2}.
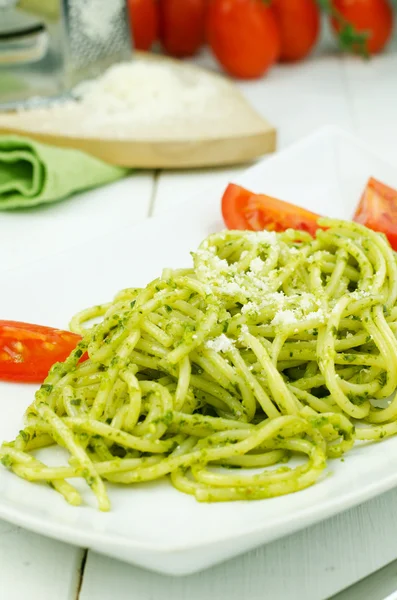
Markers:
{"x": 27, "y": 352}
{"x": 378, "y": 210}
{"x": 242, "y": 209}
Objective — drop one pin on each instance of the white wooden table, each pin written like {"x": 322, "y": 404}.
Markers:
{"x": 311, "y": 565}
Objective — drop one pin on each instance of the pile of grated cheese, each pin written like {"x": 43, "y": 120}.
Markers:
{"x": 144, "y": 99}
{"x": 254, "y": 291}
{"x": 145, "y": 90}
{"x": 220, "y": 344}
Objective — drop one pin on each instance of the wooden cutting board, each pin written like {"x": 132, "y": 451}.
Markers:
{"x": 228, "y": 131}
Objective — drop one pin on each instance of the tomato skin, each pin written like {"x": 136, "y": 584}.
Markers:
{"x": 27, "y": 352}
{"x": 244, "y": 36}
{"x": 242, "y": 209}
{"x": 234, "y": 201}
{"x": 374, "y": 16}
{"x": 182, "y": 26}
{"x": 377, "y": 210}
{"x": 299, "y": 25}
{"x": 144, "y": 22}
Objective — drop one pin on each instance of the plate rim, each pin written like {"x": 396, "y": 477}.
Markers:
{"x": 71, "y": 533}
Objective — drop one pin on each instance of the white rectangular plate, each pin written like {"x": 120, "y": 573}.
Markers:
{"x": 153, "y": 525}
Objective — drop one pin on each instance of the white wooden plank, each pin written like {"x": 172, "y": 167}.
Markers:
{"x": 177, "y": 187}
{"x": 312, "y": 565}
{"x": 28, "y": 235}
{"x": 372, "y": 90}
{"x": 382, "y": 585}
{"x": 299, "y": 98}
{"x": 35, "y": 567}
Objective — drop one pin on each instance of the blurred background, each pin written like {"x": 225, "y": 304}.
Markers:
{"x": 47, "y": 46}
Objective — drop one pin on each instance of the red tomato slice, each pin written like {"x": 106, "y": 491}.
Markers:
{"x": 242, "y": 209}
{"x": 378, "y": 210}
{"x": 27, "y": 352}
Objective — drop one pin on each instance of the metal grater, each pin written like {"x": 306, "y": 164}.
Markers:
{"x": 48, "y": 46}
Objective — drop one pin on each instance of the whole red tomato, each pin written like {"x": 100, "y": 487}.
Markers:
{"x": 144, "y": 21}
{"x": 299, "y": 25}
{"x": 182, "y": 26}
{"x": 244, "y": 36}
{"x": 374, "y": 16}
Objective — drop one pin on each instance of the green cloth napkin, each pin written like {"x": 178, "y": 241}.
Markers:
{"x": 33, "y": 173}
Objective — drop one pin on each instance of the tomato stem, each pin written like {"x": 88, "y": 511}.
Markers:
{"x": 350, "y": 39}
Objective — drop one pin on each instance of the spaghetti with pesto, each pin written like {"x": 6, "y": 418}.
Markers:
{"x": 270, "y": 346}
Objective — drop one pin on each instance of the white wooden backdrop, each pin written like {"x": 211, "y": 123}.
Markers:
{"x": 316, "y": 563}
